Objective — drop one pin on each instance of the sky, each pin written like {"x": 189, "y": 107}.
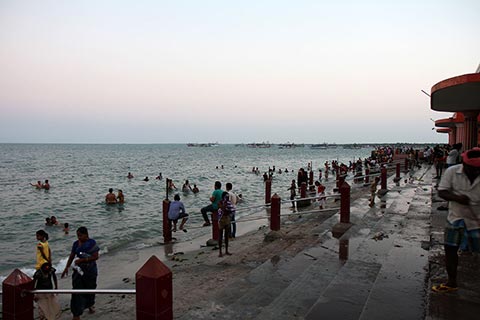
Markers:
{"x": 179, "y": 71}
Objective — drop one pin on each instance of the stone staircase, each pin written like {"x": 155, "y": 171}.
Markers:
{"x": 376, "y": 270}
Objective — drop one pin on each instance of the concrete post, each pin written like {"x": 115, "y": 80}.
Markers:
{"x": 383, "y": 178}
{"x": 268, "y": 191}
{"x": 406, "y": 164}
{"x": 367, "y": 176}
{"x": 154, "y": 291}
{"x": 310, "y": 180}
{"x": 167, "y": 228}
{"x": 215, "y": 229}
{"x": 303, "y": 190}
{"x": 345, "y": 202}
{"x": 16, "y": 305}
{"x": 275, "y": 213}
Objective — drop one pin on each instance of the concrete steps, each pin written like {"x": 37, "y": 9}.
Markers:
{"x": 346, "y": 278}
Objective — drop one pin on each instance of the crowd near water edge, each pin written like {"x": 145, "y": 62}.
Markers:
{"x": 80, "y": 176}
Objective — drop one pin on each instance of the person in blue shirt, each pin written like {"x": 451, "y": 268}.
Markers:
{"x": 177, "y": 211}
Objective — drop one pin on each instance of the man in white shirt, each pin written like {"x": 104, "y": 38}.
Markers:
{"x": 460, "y": 185}
{"x": 234, "y": 200}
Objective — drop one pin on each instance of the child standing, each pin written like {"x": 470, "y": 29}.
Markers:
{"x": 225, "y": 211}
{"x": 43, "y": 250}
{"x": 45, "y": 279}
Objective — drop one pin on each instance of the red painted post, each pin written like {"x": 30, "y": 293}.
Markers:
{"x": 383, "y": 178}
{"x": 367, "y": 175}
{"x": 337, "y": 175}
{"x": 17, "y": 306}
{"x": 406, "y": 164}
{"x": 344, "y": 202}
{"x": 310, "y": 180}
{"x": 275, "y": 213}
{"x": 268, "y": 191}
{"x": 303, "y": 190}
{"x": 215, "y": 229}
{"x": 167, "y": 228}
{"x": 154, "y": 291}
{"x": 397, "y": 175}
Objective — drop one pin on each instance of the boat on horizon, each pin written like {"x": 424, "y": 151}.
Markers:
{"x": 203, "y": 145}
{"x": 261, "y": 145}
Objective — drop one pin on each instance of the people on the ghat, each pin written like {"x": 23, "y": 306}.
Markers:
{"x": 214, "y": 199}
{"x": 195, "y": 189}
{"x": 460, "y": 185}
{"x": 130, "y": 175}
{"x": 45, "y": 279}
{"x": 83, "y": 255}
{"x": 233, "y": 198}
{"x": 43, "y": 249}
{"x": 146, "y": 179}
{"x": 177, "y": 211}
{"x": 186, "y": 186}
{"x": 439, "y": 160}
{"x": 293, "y": 192}
{"x": 225, "y": 211}
{"x": 302, "y": 177}
{"x": 453, "y": 156}
{"x": 320, "y": 194}
{"x": 110, "y": 198}
{"x": 37, "y": 185}
{"x": 120, "y": 196}
{"x": 373, "y": 191}
{"x": 46, "y": 185}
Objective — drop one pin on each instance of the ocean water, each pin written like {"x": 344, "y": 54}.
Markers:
{"x": 80, "y": 176}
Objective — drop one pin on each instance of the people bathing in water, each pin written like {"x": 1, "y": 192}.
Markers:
{"x": 195, "y": 189}
{"x": 171, "y": 185}
{"x": 159, "y": 177}
{"x": 130, "y": 175}
{"x": 48, "y": 221}
{"x": 146, "y": 179}
{"x": 177, "y": 211}
{"x": 38, "y": 185}
{"x": 186, "y": 186}
{"x": 46, "y": 185}
{"x": 120, "y": 196}
{"x": 53, "y": 221}
{"x": 66, "y": 228}
{"x": 110, "y": 198}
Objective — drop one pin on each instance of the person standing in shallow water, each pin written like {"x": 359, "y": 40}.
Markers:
{"x": 110, "y": 198}
{"x": 84, "y": 255}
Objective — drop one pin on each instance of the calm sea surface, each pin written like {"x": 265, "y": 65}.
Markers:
{"x": 80, "y": 176}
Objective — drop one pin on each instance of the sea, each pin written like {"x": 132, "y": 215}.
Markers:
{"x": 81, "y": 174}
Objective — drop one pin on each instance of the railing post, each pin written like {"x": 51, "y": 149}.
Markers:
{"x": 397, "y": 174}
{"x": 167, "y": 230}
{"x": 406, "y": 164}
{"x": 17, "y": 306}
{"x": 310, "y": 180}
{"x": 345, "y": 202}
{"x": 383, "y": 178}
{"x": 303, "y": 190}
{"x": 154, "y": 291}
{"x": 215, "y": 229}
{"x": 367, "y": 176}
{"x": 275, "y": 213}
{"x": 268, "y": 191}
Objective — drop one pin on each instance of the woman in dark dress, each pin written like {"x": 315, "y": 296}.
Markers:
{"x": 85, "y": 253}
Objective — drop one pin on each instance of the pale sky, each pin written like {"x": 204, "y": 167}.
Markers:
{"x": 181, "y": 71}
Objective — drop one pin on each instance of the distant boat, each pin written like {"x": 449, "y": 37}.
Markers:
{"x": 259, "y": 145}
{"x": 203, "y": 145}
{"x": 352, "y": 146}
{"x": 319, "y": 146}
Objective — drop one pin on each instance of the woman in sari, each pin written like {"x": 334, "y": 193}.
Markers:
{"x": 84, "y": 276}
